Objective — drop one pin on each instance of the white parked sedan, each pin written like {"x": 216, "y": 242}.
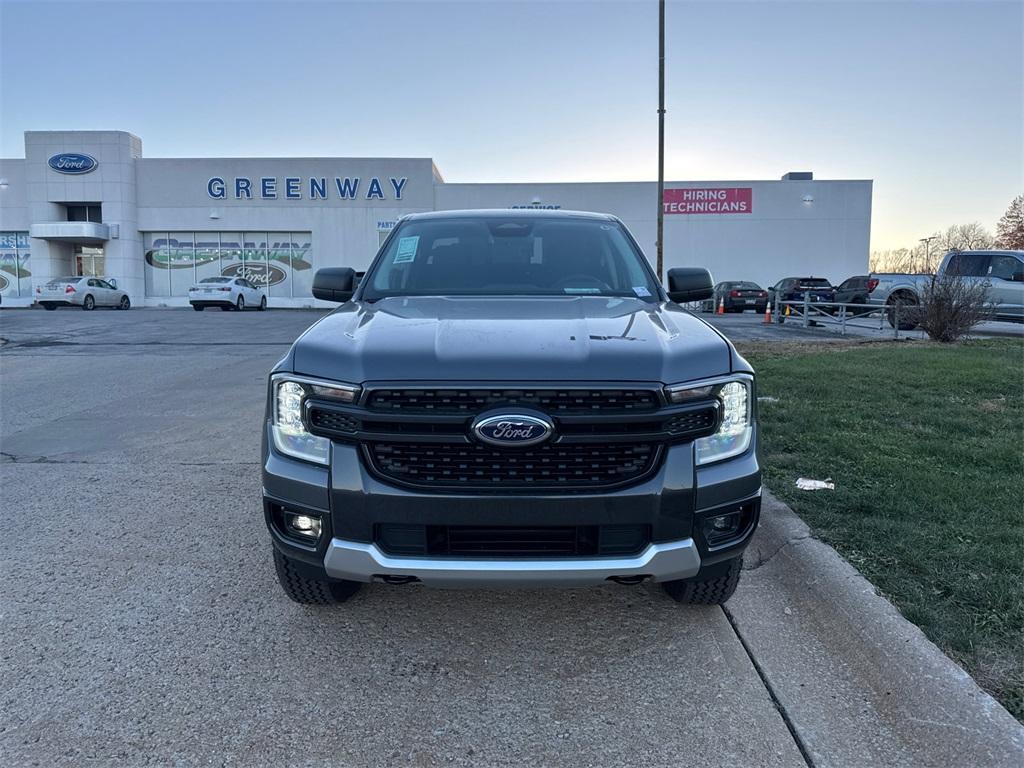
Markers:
{"x": 84, "y": 292}
{"x": 226, "y": 293}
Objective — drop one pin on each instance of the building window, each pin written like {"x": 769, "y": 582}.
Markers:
{"x": 84, "y": 212}
{"x": 15, "y": 265}
{"x": 280, "y": 262}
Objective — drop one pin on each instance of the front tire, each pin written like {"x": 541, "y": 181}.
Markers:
{"x": 240, "y": 304}
{"x": 713, "y": 586}
{"x": 125, "y": 304}
{"x": 88, "y": 303}
{"x": 263, "y": 304}
{"x": 307, "y": 591}
{"x": 198, "y": 307}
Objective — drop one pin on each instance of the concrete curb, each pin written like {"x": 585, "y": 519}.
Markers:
{"x": 858, "y": 683}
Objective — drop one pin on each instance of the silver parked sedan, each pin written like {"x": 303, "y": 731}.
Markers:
{"x": 85, "y": 292}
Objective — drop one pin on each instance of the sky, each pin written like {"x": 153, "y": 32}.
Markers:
{"x": 925, "y": 98}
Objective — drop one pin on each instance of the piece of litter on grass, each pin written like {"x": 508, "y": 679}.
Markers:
{"x": 806, "y": 484}
{"x": 767, "y": 399}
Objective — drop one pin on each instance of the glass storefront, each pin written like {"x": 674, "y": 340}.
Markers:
{"x": 15, "y": 265}
{"x": 280, "y": 262}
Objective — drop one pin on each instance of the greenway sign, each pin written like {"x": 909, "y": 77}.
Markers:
{"x": 306, "y": 188}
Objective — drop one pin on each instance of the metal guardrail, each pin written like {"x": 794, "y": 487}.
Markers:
{"x": 844, "y": 314}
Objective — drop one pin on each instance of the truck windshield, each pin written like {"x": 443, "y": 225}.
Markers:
{"x": 510, "y": 256}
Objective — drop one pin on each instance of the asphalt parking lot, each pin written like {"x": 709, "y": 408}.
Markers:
{"x": 142, "y": 623}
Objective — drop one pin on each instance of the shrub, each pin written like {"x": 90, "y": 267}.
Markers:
{"x": 951, "y": 306}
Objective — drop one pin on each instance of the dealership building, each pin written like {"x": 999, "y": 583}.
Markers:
{"x": 90, "y": 203}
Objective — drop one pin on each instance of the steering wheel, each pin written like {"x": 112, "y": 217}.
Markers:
{"x": 582, "y": 281}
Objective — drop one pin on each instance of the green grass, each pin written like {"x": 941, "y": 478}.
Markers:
{"x": 925, "y": 444}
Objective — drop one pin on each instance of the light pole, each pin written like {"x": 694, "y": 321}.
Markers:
{"x": 661, "y": 138}
{"x": 927, "y": 248}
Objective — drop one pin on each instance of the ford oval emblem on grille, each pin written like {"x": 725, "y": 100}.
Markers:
{"x": 512, "y": 429}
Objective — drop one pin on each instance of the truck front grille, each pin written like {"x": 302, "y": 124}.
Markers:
{"x": 553, "y": 401}
{"x": 476, "y": 466}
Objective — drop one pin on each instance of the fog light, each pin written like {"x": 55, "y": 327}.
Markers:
{"x": 721, "y": 528}
{"x": 723, "y": 523}
{"x": 306, "y": 526}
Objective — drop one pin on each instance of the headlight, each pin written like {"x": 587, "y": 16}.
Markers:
{"x": 734, "y": 433}
{"x": 288, "y": 395}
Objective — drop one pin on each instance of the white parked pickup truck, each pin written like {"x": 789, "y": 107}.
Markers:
{"x": 1002, "y": 271}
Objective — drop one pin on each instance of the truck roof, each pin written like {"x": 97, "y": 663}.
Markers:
{"x": 481, "y": 213}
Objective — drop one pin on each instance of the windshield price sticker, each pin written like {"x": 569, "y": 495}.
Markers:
{"x": 640, "y": 291}
{"x": 406, "y": 249}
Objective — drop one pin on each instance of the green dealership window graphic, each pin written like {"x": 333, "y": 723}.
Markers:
{"x": 279, "y": 262}
{"x": 15, "y": 267}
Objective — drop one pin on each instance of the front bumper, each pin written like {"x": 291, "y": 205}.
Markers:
{"x": 674, "y": 502}
{"x": 356, "y": 561}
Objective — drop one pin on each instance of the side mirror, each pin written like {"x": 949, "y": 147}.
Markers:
{"x": 334, "y": 283}
{"x": 689, "y": 284}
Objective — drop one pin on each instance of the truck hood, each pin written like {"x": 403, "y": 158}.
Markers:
{"x": 579, "y": 338}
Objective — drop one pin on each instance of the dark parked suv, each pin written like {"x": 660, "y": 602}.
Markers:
{"x": 510, "y": 398}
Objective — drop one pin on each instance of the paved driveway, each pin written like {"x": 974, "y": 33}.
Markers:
{"x": 142, "y": 624}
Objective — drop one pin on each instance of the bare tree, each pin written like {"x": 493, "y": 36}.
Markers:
{"x": 965, "y": 237}
{"x": 1010, "y": 229}
{"x": 896, "y": 260}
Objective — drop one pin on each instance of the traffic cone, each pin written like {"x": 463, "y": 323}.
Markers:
{"x": 721, "y": 306}
{"x": 768, "y": 313}
{"x": 787, "y": 310}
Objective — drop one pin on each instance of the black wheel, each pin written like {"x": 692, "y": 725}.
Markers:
{"x": 263, "y": 304}
{"x": 240, "y": 304}
{"x": 713, "y": 586}
{"x": 89, "y": 303}
{"x": 311, "y": 591}
{"x": 198, "y": 307}
{"x": 125, "y": 303}
{"x": 905, "y": 302}
{"x": 49, "y": 307}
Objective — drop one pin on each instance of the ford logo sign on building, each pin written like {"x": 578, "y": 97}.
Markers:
{"x": 73, "y": 162}
{"x": 260, "y": 274}
{"x": 512, "y": 429}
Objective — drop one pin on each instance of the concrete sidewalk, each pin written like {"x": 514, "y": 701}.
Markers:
{"x": 857, "y": 683}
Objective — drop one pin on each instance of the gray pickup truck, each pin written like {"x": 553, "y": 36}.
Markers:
{"x": 510, "y": 398}
{"x": 1001, "y": 271}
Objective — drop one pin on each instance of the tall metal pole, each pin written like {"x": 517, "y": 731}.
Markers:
{"x": 661, "y": 138}
{"x": 927, "y": 249}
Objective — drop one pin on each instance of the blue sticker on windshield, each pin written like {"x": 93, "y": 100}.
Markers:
{"x": 640, "y": 291}
{"x": 406, "y": 249}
